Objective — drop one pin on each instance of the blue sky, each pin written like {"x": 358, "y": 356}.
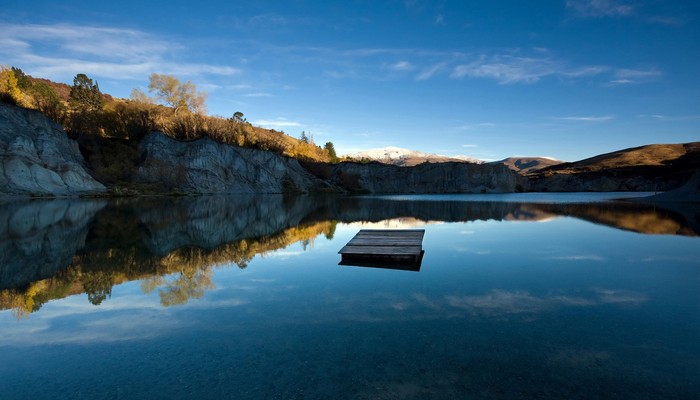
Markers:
{"x": 567, "y": 79}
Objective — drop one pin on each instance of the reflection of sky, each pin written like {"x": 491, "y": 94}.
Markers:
{"x": 539, "y": 197}
{"x": 568, "y": 295}
{"x": 482, "y": 268}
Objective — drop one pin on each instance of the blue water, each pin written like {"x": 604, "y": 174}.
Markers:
{"x": 546, "y": 305}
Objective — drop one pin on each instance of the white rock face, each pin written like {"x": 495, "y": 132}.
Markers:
{"x": 38, "y": 159}
{"x": 206, "y": 166}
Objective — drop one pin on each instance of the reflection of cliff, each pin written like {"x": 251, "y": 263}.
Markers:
{"x": 39, "y": 238}
{"x": 642, "y": 218}
{"x": 178, "y": 276}
{"x": 52, "y": 249}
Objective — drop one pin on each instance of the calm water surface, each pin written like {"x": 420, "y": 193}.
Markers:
{"x": 243, "y": 297}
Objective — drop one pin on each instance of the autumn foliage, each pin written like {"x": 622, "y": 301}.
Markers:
{"x": 109, "y": 129}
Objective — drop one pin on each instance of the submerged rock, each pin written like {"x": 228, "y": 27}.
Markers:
{"x": 38, "y": 159}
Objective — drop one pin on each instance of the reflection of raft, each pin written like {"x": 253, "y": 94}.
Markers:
{"x": 385, "y": 248}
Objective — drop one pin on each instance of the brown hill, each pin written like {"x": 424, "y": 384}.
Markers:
{"x": 655, "y": 167}
{"x": 683, "y": 154}
{"x": 523, "y": 165}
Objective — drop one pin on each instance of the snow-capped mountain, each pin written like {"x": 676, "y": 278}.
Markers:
{"x": 407, "y": 158}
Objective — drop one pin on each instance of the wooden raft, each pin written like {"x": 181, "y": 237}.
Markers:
{"x": 385, "y": 248}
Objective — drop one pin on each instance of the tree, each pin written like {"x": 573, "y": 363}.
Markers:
{"x": 9, "y": 89}
{"x": 179, "y": 96}
{"x": 331, "y": 152}
{"x": 139, "y": 96}
{"x": 303, "y": 138}
{"x": 23, "y": 80}
{"x": 47, "y": 101}
{"x": 238, "y": 117}
{"x": 85, "y": 96}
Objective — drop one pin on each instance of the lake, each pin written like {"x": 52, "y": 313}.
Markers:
{"x": 518, "y": 296}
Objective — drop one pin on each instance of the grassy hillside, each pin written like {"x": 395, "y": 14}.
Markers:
{"x": 643, "y": 156}
{"x": 108, "y": 129}
{"x": 525, "y": 165}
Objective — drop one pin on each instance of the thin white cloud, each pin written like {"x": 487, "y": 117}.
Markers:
{"x": 258, "y": 94}
{"x": 619, "y": 82}
{"x": 588, "y": 118}
{"x": 507, "y": 69}
{"x": 637, "y": 73}
{"x": 402, "y": 66}
{"x": 628, "y": 76}
{"x": 277, "y": 123}
{"x": 59, "y": 51}
{"x": 469, "y": 145}
{"x": 430, "y": 71}
{"x": 600, "y": 8}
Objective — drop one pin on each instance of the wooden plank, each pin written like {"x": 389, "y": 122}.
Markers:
{"x": 383, "y": 250}
{"x": 383, "y": 241}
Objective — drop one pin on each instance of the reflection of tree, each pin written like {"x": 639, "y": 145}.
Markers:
{"x": 183, "y": 274}
{"x": 98, "y": 286}
{"x": 180, "y": 287}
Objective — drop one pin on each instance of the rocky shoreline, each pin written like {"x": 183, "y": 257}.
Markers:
{"x": 38, "y": 159}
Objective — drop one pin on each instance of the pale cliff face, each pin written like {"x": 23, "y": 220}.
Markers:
{"x": 425, "y": 178}
{"x": 38, "y": 159}
{"x": 206, "y": 166}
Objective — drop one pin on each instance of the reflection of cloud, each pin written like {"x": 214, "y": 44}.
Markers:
{"x": 620, "y": 296}
{"x": 578, "y": 258}
{"x": 97, "y": 327}
{"x": 600, "y": 8}
{"x": 499, "y": 302}
{"x": 395, "y": 223}
{"x": 502, "y": 302}
{"x": 470, "y": 250}
{"x": 423, "y": 300}
{"x": 284, "y": 254}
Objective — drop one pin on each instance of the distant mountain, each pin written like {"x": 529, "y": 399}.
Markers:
{"x": 524, "y": 165}
{"x": 653, "y": 155}
{"x": 407, "y": 158}
{"x": 654, "y": 167}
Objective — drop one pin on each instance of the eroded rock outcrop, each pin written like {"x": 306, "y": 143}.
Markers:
{"x": 451, "y": 177}
{"x": 38, "y": 159}
{"x": 206, "y": 166}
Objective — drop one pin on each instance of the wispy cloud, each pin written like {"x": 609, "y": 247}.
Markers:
{"x": 258, "y": 94}
{"x": 428, "y": 72}
{"x": 506, "y": 69}
{"x": 588, "y": 118}
{"x": 402, "y": 66}
{"x": 600, "y": 8}
{"x": 277, "y": 123}
{"x": 59, "y": 51}
{"x": 628, "y": 76}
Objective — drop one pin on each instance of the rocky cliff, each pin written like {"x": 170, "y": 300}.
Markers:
{"x": 424, "y": 178}
{"x": 38, "y": 159}
{"x": 206, "y": 166}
